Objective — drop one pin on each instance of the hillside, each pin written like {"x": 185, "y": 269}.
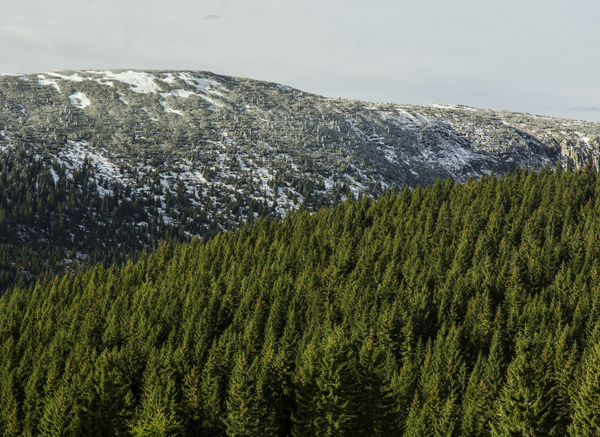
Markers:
{"x": 460, "y": 310}
{"x": 98, "y": 163}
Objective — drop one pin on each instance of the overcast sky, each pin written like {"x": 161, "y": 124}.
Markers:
{"x": 535, "y": 56}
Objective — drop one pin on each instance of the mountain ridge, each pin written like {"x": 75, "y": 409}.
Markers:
{"x": 162, "y": 153}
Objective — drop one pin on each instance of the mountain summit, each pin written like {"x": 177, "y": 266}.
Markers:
{"x": 210, "y": 129}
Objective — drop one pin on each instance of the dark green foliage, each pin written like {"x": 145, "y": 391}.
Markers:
{"x": 585, "y": 396}
{"x": 455, "y": 310}
{"x": 55, "y": 219}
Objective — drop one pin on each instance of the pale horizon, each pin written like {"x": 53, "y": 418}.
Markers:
{"x": 540, "y": 59}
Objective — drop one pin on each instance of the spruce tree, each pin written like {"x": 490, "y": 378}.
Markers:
{"x": 585, "y": 396}
{"x": 525, "y": 405}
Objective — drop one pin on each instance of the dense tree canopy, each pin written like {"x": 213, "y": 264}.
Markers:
{"x": 53, "y": 218}
{"x": 459, "y": 310}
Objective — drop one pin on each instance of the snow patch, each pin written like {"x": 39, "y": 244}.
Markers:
{"x": 4, "y": 147}
{"x": 355, "y": 187}
{"x": 186, "y": 94}
{"x": 169, "y": 78}
{"x": 101, "y": 161}
{"x": 213, "y": 103}
{"x": 54, "y": 175}
{"x": 140, "y": 81}
{"x": 360, "y": 134}
{"x": 442, "y": 106}
{"x": 168, "y": 109}
{"x": 199, "y": 177}
{"x": 385, "y": 115}
{"x": 72, "y": 77}
{"x": 79, "y": 100}
{"x": 122, "y": 100}
{"x": 179, "y": 93}
{"x": 389, "y": 153}
{"x": 44, "y": 81}
{"x": 202, "y": 84}
{"x": 454, "y": 107}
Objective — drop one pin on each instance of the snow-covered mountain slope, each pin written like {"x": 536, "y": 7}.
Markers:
{"x": 231, "y": 143}
{"x": 210, "y": 129}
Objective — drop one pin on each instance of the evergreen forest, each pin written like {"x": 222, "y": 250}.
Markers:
{"x": 53, "y": 218}
{"x": 448, "y": 310}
